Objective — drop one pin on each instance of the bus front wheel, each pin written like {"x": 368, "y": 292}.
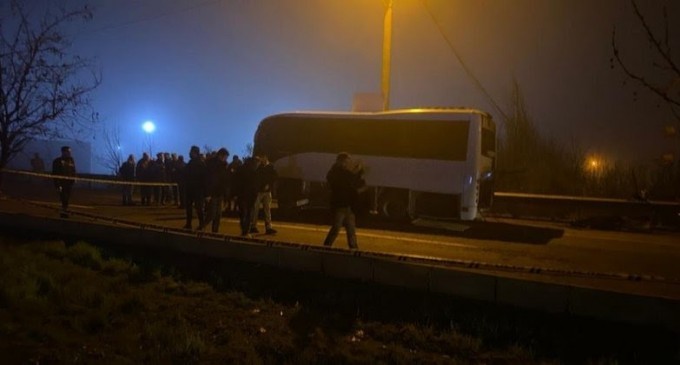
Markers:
{"x": 394, "y": 206}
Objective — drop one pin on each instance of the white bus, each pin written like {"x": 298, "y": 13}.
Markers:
{"x": 417, "y": 162}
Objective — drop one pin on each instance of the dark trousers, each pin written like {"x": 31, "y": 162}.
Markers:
{"x": 127, "y": 194}
{"x": 157, "y": 195}
{"x": 145, "y": 192}
{"x": 246, "y": 205}
{"x": 175, "y": 194}
{"x": 343, "y": 217}
{"x": 181, "y": 188}
{"x": 65, "y": 195}
{"x": 214, "y": 213}
{"x": 196, "y": 199}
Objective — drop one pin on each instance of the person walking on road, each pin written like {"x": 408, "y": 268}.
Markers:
{"x": 345, "y": 181}
{"x": 265, "y": 178}
{"x": 64, "y": 166}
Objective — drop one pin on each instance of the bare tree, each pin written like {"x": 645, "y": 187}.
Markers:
{"x": 111, "y": 159}
{"x": 529, "y": 161}
{"x": 43, "y": 89}
{"x": 248, "y": 150}
{"x": 663, "y": 79}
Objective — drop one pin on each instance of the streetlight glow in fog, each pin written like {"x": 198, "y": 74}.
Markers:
{"x": 148, "y": 126}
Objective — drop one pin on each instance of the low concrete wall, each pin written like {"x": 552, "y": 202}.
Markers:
{"x": 545, "y": 297}
{"x": 380, "y": 268}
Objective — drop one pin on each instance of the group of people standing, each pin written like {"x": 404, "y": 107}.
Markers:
{"x": 207, "y": 183}
{"x": 166, "y": 168}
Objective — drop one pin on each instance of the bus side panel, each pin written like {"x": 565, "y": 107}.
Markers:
{"x": 446, "y": 177}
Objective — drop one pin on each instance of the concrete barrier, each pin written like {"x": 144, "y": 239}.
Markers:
{"x": 253, "y": 252}
{"x": 339, "y": 264}
{"x": 300, "y": 259}
{"x": 627, "y": 308}
{"x": 540, "y": 296}
{"x": 396, "y": 273}
{"x": 463, "y": 284}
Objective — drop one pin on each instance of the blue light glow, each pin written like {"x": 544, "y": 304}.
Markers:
{"x": 149, "y": 127}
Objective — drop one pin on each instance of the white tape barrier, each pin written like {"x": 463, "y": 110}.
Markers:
{"x": 86, "y": 179}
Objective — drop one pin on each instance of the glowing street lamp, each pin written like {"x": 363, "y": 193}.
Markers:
{"x": 594, "y": 165}
{"x": 149, "y": 127}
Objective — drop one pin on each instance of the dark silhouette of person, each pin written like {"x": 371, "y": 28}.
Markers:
{"x": 37, "y": 163}
{"x": 345, "y": 181}
{"x": 245, "y": 188}
{"x": 179, "y": 180}
{"x": 157, "y": 171}
{"x": 143, "y": 173}
{"x": 218, "y": 187}
{"x": 64, "y": 166}
{"x": 170, "y": 177}
{"x": 266, "y": 177}
{"x": 126, "y": 172}
{"x": 195, "y": 174}
{"x": 230, "y": 203}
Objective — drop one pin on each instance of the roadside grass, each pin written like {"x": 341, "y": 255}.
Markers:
{"x": 81, "y": 303}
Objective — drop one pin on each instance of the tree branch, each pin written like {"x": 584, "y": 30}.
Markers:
{"x": 658, "y": 46}
{"x": 656, "y": 90}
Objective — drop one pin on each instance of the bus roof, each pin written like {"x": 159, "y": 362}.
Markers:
{"x": 388, "y": 113}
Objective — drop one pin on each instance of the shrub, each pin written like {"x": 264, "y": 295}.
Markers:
{"x": 85, "y": 255}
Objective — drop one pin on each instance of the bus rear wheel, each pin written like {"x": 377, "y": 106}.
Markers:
{"x": 394, "y": 206}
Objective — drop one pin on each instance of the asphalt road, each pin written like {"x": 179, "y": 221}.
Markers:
{"x": 557, "y": 249}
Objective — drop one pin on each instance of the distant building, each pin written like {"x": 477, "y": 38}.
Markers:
{"x": 51, "y": 149}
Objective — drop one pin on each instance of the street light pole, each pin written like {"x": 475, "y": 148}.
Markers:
{"x": 386, "y": 56}
{"x": 149, "y": 127}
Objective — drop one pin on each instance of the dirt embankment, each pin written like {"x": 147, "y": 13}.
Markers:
{"x": 78, "y": 303}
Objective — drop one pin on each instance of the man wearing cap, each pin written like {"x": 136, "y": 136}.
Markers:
{"x": 64, "y": 166}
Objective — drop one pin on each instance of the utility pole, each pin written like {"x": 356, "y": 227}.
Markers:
{"x": 386, "y": 56}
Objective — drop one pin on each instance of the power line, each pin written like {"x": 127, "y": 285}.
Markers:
{"x": 476, "y": 81}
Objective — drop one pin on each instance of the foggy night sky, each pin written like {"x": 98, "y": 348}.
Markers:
{"x": 206, "y": 72}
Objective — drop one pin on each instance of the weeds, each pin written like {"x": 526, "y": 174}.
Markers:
{"x": 85, "y": 255}
{"x": 65, "y": 303}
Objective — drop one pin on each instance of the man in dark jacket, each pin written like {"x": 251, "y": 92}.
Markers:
{"x": 195, "y": 184}
{"x": 179, "y": 180}
{"x": 126, "y": 172}
{"x": 266, "y": 176}
{"x": 64, "y": 166}
{"x": 245, "y": 188}
{"x": 157, "y": 171}
{"x": 218, "y": 187}
{"x": 230, "y": 201}
{"x": 143, "y": 173}
{"x": 345, "y": 181}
